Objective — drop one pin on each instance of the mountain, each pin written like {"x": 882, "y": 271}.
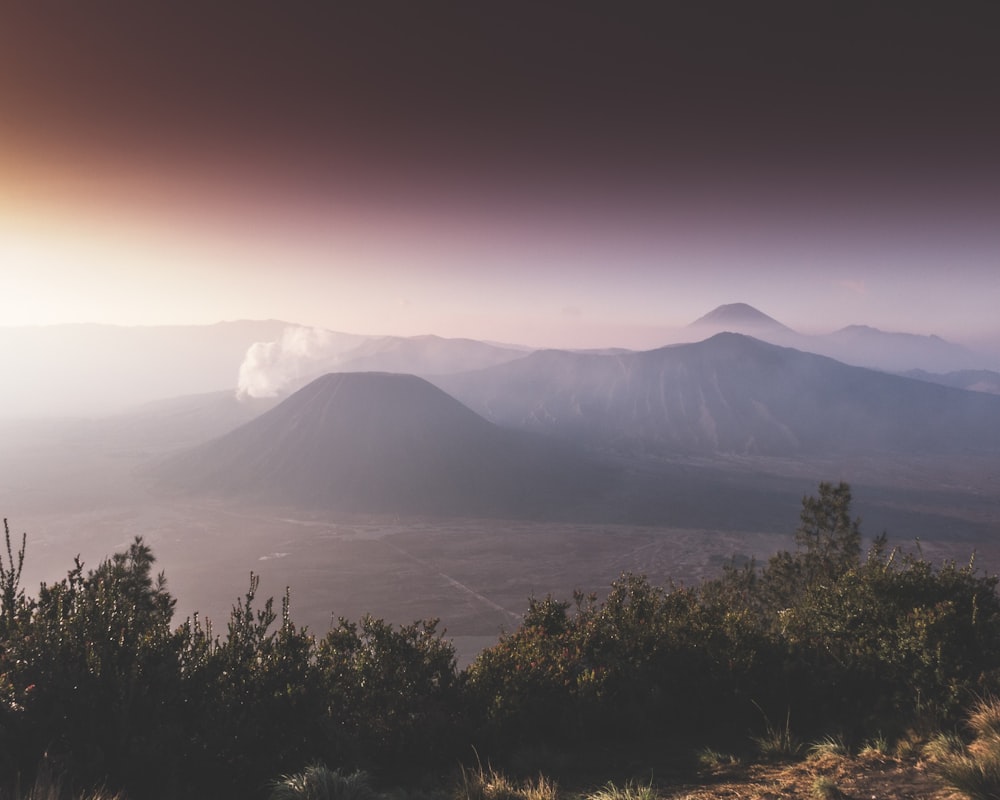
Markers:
{"x": 728, "y": 394}
{"x": 738, "y": 318}
{"x": 858, "y": 345}
{"x": 376, "y": 442}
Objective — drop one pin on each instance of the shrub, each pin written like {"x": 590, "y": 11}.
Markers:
{"x": 88, "y": 672}
{"x": 253, "y": 707}
{"x": 390, "y": 696}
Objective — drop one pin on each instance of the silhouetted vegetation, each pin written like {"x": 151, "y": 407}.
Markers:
{"x": 99, "y": 689}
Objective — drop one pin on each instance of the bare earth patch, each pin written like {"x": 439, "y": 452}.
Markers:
{"x": 854, "y": 778}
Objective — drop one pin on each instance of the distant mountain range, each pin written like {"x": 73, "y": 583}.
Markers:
{"x": 92, "y": 370}
{"x": 859, "y": 345}
{"x": 557, "y": 434}
{"x": 728, "y": 394}
{"x": 376, "y": 442}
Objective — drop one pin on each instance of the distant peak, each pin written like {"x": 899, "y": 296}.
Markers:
{"x": 737, "y": 314}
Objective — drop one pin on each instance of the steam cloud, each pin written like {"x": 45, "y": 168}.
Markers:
{"x": 269, "y": 368}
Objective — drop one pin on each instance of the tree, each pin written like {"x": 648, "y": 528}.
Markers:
{"x": 828, "y": 539}
{"x": 828, "y": 544}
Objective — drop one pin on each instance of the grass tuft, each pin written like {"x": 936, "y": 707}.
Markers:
{"x": 984, "y": 719}
{"x": 709, "y": 759}
{"x": 777, "y": 744}
{"x": 49, "y": 786}
{"x": 943, "y": 746}
{"x": 317, "y": 782}
{"x": 827, "y": 747}
{"x": 541, "y": 788}
{"x": 488, "y": 784}
{"x": 972, "y": 769}
{"x": 824, "y": 788}
{"x": 910, "y": 745}
{"x": 630, "y": 791}
{"x": 875, "y": 749}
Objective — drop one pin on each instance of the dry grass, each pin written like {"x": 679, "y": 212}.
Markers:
{"x": 317, "y": 782}
{"x": 821, "y": 778}
{"x": 973, "y": 769}
{"x": 485, "y": 783}
{"x": 630, "y": 791}
{"x": 50, "y": 787}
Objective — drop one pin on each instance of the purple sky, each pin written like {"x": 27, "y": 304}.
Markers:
{"x": 545, "y": 173}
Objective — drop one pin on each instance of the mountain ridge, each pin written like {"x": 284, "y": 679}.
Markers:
{"x": 728, "y": 394}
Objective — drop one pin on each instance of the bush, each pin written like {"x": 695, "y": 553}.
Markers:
{"x": 96, "y": 684}
{"x": 391, "y": 696}
{"x": 853, "y": 645}
{"x": 88, "y": 673}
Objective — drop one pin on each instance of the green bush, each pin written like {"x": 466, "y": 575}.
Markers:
{"x": 851, "y": 645}
{"x": 391, "y": 696}
{"x": 87, "y": 669}
{"x": 96, "y": 684}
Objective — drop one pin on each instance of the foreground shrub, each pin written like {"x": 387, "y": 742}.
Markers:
{"x": 390, "y": 696}
{"x": 90, "y": 676}
{"x": 96, "y": 684}
{"x": 644, "y": 663}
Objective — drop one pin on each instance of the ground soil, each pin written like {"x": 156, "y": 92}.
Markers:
{"x": 848, "y": 778}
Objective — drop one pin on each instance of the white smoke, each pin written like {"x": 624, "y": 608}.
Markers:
{"x": 269, "y": 368}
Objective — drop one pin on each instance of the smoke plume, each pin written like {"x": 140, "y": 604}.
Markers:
{"x": 271, "y": 368}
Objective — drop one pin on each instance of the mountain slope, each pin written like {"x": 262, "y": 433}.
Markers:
{"x": 385, "y": 443}
{"x": 728, "y": 394}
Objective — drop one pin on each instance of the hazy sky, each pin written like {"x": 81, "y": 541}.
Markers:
{"x": 543, "y": 173}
